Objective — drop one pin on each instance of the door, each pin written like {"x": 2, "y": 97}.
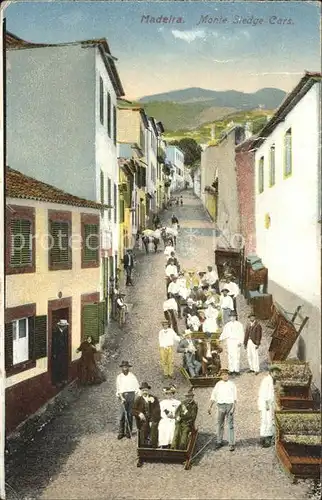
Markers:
{"x": 59, "y": 348}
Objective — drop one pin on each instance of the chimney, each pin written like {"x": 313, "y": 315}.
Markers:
{"x": 248, "y": 130}
{"x": 213, "y": 132}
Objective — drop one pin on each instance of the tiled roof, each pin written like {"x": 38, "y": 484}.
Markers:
{"x": 14, "y": 42}
{"x": 19, "y": 185}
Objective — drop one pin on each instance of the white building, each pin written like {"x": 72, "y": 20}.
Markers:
{"x": 61, "y": 113}
{"x": 187, "y": 178}
{"x": 197, "y": 182}
{"x": 176, "y": 157}
{"x": 288, "y": 210}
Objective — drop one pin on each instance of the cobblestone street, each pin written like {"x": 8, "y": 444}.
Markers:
{"x": 77, "y": 455}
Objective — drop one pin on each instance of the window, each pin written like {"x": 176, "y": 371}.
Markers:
{"x": 142, "y": 138}
{"x": 109, "y": 196}
{"x": 90, "y": 240}
{"x": 101, "y": 97}
{"x": 102, "y": 187}
{"x": 288, "y": 153}
{"x": 115, "y": 202}
{"x": 114, "y": 124}
{"x": 108, "y": 112}
{"x": 93, "y": 320}
{"x": 60, "y": 252}
{"x": 20, "y": 340}
{"x": 25, "y": 338}
{"x": 20, "y": 246}
{"x": 121, "y": 204}
{"x": 261, "y": 175}
{"x": 272, "y": 166}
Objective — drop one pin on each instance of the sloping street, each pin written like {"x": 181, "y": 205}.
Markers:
{"x": 78, "y": 456}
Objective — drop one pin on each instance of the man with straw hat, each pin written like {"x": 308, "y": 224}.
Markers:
{"x": 167, "y": 339}
{"x": 224, "y": 395}
{"x": 188, "y": 349}
{"x": 167, "y": 423}
{"x": 266, "y": 406}
{"x": 185, "y": 418}
{"x": 127, "y": 386}
{"x": 233, "y": 333}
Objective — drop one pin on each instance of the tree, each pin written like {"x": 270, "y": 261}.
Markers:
{"x": 191, "y": 150}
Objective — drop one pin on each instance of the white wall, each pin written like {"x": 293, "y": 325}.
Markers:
{"x": 152, "y": 165}
{"x": 106, "y": 150}
{"x": 290, "y": 248}
{"x": 50, "y": 116}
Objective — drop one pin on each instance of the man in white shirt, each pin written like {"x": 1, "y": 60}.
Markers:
{"x": 211, "y": 276}
{"x": 167, "y": 339}
{"x": 224, "y": 395}
{"x": 170, "y": 309}
{"x": 174, "y": 290}
{"x": 266, "y": 405}
{"x": 127, "y": 386}
{"x": 233, "y": 290}
{"x": 169, "y": 249}
{"x": 233, "y": 333}
{"x": 171, "y": 269}
{"x": 226, "y": 304}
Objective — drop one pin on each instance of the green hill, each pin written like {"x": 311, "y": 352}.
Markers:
{"x": 202, "y": 134}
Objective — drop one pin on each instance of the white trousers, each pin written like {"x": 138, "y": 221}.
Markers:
{"x": 166, "y": 431}
{"x": 233, "y": 355}
{"x": 252, "y": 356}
{"x": 267, "y": 422}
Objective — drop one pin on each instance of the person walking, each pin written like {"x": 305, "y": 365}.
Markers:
{"x": 266, "y": 406}
{"x": 88, "y": 370}
{"x": 253, "y": 337}
{"x": 224, "y": 395}
{"x": 233, "y": 333}
{"x": 226, "y": 305}
{"x": 127, "y": 386}
{"x": 128, "y": 263}
{"x": 170, "y": 311}
{"x": 167, "y": 339}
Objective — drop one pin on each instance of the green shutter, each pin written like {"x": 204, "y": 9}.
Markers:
{"x": 102, "y": 186}
{"x": 8, "y": 345}
{"x": 60, "y": 252}
{"x": 91, "y": 243}
{"x": 109, "y": 114}
{"x": 115, "y": 203}
{"x": 31, "y": 338}
{"x": 102, "y": 313}
{"x": 114, "y": 124}
{"x": 21, "y": 248}
{"x": 40, "y": 337}
{"x": 90, "y": 320}
{"x": 121, "y": 204}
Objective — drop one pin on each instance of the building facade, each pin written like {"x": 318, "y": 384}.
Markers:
{"x": 52, "y": 274}
{"x": 245, "y": 172}
{"x": 176, "y": 157}
{"x": 288, "y": 210}
{"x": 61, "y": 113}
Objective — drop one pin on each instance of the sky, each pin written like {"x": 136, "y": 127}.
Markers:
{"x": 155, "y": 58}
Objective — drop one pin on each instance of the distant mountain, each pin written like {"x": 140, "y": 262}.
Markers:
{"x": 269, "y": 98}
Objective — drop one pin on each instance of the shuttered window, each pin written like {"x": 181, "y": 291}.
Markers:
{"x": 25, "y": 342}
{"x": 109, "y": 112}
{"x": 102, "y": 187}
{"x": 21, "y": 247}
{"x": 261, "y": 175}
{"x": 122, "y": 204}
{"x": 60, "y": 252}
{"x": 91, "y": 243}
{"x": 109, "y": 196}
{"x": 115, "y": 203}
{"x": 288, "y": 154}
{"x": 114, "y": 124}
{"x": 101, "y": 100}
{"x": 93, "y": 320}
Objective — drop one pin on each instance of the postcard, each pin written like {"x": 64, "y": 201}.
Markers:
{"x": 160, "y": 270}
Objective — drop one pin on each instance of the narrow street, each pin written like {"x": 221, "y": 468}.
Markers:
{"x": 78, "y": 456}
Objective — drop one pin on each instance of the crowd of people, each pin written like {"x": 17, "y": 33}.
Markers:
{"x": 200, "y": 316}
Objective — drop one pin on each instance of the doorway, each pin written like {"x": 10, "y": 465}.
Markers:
{"x": 59, "y": 347}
